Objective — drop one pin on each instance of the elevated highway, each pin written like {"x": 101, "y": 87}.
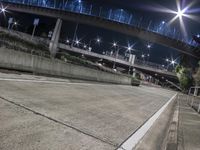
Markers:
{"x": 136, "y": 65}
{"x": 105, "y": 23}
{"x": 147, "y": 66}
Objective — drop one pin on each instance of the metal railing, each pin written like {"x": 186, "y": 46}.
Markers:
{"x": 193, "y": 98}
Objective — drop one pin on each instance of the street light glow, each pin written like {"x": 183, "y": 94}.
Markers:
{"x": 182, "y": 10}
{"x": 3, "y": 9}
{"x": 173, "y": 62}
{"x": 77, "y": 42}
{"x": 148, "y": 46}
{"x": 114, "y": 44}
{"x": 98, "y": 40}
{"x": 129, "y": 48}
{"x": 180, "y": 13}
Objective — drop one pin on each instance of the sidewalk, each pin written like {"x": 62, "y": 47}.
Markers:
{"x": 189, "y": 126}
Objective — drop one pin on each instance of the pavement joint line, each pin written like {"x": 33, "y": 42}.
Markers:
{"x": 57, "y": 121}
{"x": 58, "y": 82}
{"x": 138, "y": 134}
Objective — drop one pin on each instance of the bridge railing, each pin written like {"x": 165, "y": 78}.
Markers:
{"x": 193, "y": 98}
{"x": 106, "y": 12}
{"x": 122, "y": 57}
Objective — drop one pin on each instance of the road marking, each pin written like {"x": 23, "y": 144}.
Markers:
{"x": 53, "y": 82}
{"x": 131, "y": 142}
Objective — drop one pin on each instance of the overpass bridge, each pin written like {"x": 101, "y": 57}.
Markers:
{"x": 150, "y": 67}
{"x": 84, "y": 17}
{"x": 139, "y": 65}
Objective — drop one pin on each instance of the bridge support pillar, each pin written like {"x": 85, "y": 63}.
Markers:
{"x": 53, "y": 46}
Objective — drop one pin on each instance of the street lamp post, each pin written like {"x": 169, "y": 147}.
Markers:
{"x": 75, "y": 33}
{"x": 35, "y": 23}
{"x": 116, "y": 55}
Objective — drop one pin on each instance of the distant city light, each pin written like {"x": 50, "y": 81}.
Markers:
{"x": 77, "y": 42}
{"x": 167, "y": 60}
{"x": 129, "y": 48}
{"x": 90, "y": 49}
{"x": 148, "y": 46}
{"x": 148, "y": 55}
{"x": 198, "y": 35}
{"x": 67, "y": 41}
{"x": 143, "y": 56}
{"x": 114, "y": 44}
{"x": 163, "y": 22}
{"x": 173, "y": 62}
{"x": 79, "y": 1}
{"x": 98, "y": 40}
{"x": 163, "y": 65}
{"x": 85, "y": 46}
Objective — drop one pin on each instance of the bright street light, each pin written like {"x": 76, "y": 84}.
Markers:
{"x": 114, "y": 44}
{"x": 173, "y": 62}
{"x": 77, "y": 42}
{"x": 98, "y": 40}
{"x": 2, "y": 9}
{"x": 148, "y": 46}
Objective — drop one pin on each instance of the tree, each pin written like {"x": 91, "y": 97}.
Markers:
{"x": 185, "y": 77}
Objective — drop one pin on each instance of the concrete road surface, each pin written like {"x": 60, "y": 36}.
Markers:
{"x": 40, "y": 113}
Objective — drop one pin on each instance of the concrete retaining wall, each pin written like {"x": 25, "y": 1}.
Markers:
{"x": 12, "y": 59}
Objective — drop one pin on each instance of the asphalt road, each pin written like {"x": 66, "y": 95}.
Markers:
{"x": 40, "y": 113}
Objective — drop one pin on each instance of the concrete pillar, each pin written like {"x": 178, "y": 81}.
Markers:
{"x": 53, "y": 46}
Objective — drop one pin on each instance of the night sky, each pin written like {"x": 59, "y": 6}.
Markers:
{"x": 140, "y": 8}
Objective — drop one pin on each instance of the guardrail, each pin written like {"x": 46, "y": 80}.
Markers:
{"x": 193, "y": 98}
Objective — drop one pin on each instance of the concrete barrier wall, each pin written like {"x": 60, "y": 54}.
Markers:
{"x": 12, "y": 59}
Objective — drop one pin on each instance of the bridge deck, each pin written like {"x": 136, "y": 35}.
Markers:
{"x": 108, "y": 24}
